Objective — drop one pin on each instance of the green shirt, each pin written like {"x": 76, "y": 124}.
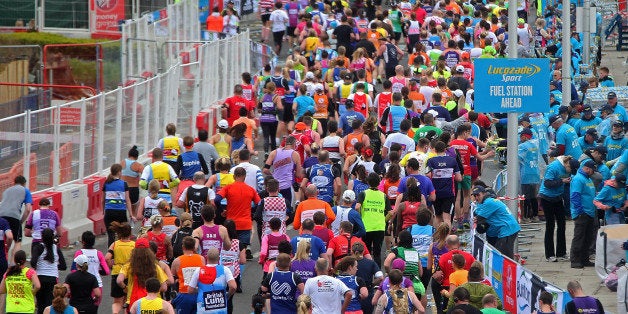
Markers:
{"x": 492, "y": 310}
{"x": 422, "y": 132}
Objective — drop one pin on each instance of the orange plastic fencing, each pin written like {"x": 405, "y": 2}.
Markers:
{"x": 65, "y": 164}
{"x": 7, "y": 178}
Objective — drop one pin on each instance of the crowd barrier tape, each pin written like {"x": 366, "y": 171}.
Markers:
{"x": 516, "y": 286}
{"x": 95, "y": 196}
{"x": 76, "y": 205}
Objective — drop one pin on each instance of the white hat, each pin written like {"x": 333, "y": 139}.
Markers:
{"x": 81, "y": 260}
{"x": 223, "y": 124}
{"x": 458, "y": 93}
{"x": 460, "y": 69}
{"x": 348, "y": 196}
{"x": 309, "y": 75}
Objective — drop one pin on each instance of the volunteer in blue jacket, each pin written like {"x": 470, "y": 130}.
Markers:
{"x": 583, "y": 213}
{"x": 587, "y": 121}
{"x": 588, "y": 140}
{"x": 503, "y": 227}
{"x": 566, "y": 138}
{"x": 612, "y": 200}
{"x": 530, "y": 174}
{"x": 557, "y": 174}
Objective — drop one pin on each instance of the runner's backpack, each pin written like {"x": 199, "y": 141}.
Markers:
{"x": 177, "y": 240}
{"x": 400, "y": 303}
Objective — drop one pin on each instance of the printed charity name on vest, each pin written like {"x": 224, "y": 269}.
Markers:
{"x": 308, "y": 214}
{"x": 214, "y": 300}
{"x": 324, "y": 286}
{"x": 320, "y": 180}
{"x": 211, "y": 244}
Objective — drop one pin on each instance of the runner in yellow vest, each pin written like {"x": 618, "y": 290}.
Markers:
{"x": 162, "y": 172}
{"x": 151, "y": 303}
{"x": 20, "y": 284}
{"x": 171, "y": 145}
{"x": 373, "y": 205}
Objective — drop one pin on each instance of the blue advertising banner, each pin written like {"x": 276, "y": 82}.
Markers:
{"x": 511, "y": 85}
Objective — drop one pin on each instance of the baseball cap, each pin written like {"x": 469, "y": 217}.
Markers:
{"x": 348, "y": 196}
{"x": 611, "y": 95}
{"x": 574, "y": 165}
{"x": 526, "y": 132}
{"x": 82, "y": 259}
{"x": 309, "y": 75}
{"x": 460, "y": 69}
{"x": 618, "y": 123}
{"x": 300, "y": 126}
{"x": 554, "y": 118}
{"x": 587, "y": 108}
{"x": 478, "y": 189}
{"x": 223, "y": 124}
{"x": 563, "y": 109}
{"x": 607, "y": 107}
{"x": 620, "y": 178}
{"x": 556, "y": 84}
{"x": 458, "y": 93}
{"x": 524, "y": 119}
{"x": 521, "y": 21}
{"x": 601, "y": 149}
{"x": 465, "y": 55}
{"x": 142, "y": 243}
{"x": 552, "y": 95}
{"x": 592, "y": 132}
{"x": 590, "y": 164}
{"x": 399, "y": 264}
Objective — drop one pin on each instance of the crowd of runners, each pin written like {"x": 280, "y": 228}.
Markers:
{"x": 372, "y": 158}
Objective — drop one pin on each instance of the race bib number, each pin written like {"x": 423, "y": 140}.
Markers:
{"x": 187, "y": 273}
{"x": 412, "y": 256}
{"x": 214, "y": 300}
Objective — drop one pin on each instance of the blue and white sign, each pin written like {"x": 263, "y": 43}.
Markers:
{"x": 511, "y": 85}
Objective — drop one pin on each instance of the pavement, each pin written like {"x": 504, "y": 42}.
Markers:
{"x": 558, "y": 273}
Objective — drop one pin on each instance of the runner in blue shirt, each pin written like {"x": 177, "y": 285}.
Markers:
{"x": 588, "y": 140}
{"x": 317, "y": 246}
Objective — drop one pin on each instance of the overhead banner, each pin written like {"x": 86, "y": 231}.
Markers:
{"x": 511, "y": 85}
{"x": 105, "y": 18}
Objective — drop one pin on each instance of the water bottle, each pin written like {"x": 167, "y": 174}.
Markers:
{"x": 429, "y": 309}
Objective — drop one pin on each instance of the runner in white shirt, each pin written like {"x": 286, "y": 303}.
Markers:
{"x": 407, "y": 144}
{"x": 326, "y": 291}
{"x": 279, "y": 20}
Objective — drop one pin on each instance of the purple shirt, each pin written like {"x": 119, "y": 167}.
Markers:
{"x": 283, "y": 167}
{"x": 41, "y": 219}
{"x": 425, "y": 184}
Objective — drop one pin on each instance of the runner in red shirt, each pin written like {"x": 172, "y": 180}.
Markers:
{"x": 466, "y": 150}
{"x": 445, "y": 264}
{"x": 239, "y": 197}
{"x": 302, "y": 143}
{"x": 340, "y": 246}
{"x": 232, "y": 105}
